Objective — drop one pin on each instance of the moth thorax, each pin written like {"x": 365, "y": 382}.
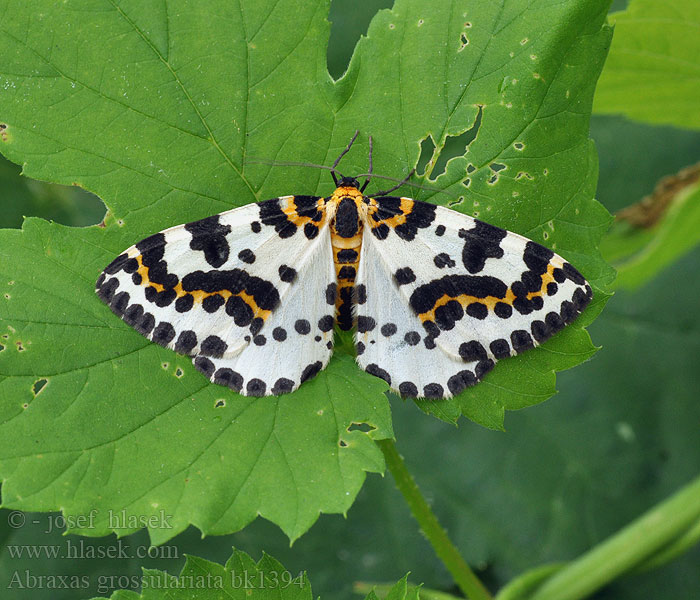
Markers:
{"x": 347, "y": 218}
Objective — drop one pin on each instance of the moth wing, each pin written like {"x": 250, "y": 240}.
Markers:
{"x": 210, "y": 288}
{"x": 455, "y": 294}
{"x": 296, "y": 341}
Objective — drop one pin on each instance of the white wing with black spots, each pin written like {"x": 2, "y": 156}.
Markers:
{"x": 216, "y": 288}
{"x": 446, "y": 298}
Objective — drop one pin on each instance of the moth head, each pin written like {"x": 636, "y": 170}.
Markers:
{"x": 348, "y": 182}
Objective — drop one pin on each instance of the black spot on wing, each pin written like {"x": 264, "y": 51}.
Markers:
{"x": 408, "y": 389}
{"x": 237, "y": 308}
{"x": 311, "y": 371}
{"x": 247, "y": 256}
{"x": 331, "y": 292}
{"x": 302, "y": 326}
{"x": 365, "y": 324}
{"x": 287, "y": 274}
{"x": 448, "y": 314}
{"x": 472, "y": 351}
{"x": 204, "y": 365}
{"x": 377, "y": 371}
{"x": 326, "y": 323}
{"x": 186, "y": 342}
{"x": 537, "y": 257}
{"x": 271, "y": 214}
{"x": 460, "y": 381}
{"x": 235, "y": 281}
{"x": 163, "y": 333}
{"x": 307, "y": 206}
{"x": 229, "y": 378}
{"x": 213, "y": 346}
{"x": 481, "y": 242}
{"x": 209, "y": 236}
{"x": 500, "y": 348}
{"x": 404, "y": 276}
{"x": 256, "y": 387}
{"x": 420, "y": 216}
{"x": 443, "y": 260}
{"x": 424, "y": 297}
{"x": 282, "y": 386}
{"x": 433, "y": 390}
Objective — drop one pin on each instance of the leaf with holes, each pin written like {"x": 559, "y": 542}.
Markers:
{"x": 158, "y": 110}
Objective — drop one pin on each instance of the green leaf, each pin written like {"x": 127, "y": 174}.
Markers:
{"x": 240, "y": 578}
{"x": 657, "y": 236}
{"x": 652, "y": 71}
{"x": 157, "y": 112}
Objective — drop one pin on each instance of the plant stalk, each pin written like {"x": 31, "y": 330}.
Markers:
{"x": 464, "y": 577}
{"x": 629, "y": 547}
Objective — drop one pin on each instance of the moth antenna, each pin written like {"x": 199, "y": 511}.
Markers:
{"x": 285, "y": 163}
{"x": 369, "y": 169}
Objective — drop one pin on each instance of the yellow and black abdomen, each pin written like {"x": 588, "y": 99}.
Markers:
{"x": 346, "y": 237}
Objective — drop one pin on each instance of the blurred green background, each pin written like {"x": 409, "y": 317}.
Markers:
{"x": 621, "y": 435}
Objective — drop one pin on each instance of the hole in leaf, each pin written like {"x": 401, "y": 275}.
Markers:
{"x": 495, "y": 167}
{"x": 165, "y": 366}
{"x": 518, "y": 145}
{"x": 545, "y": 235}
{"x": 420, "y": 22}
{"x": 347, "y": 26}
{"x": 2, "y": 347}
{"x": 7, "y": 296}
{"x": 64, "y": 204}
{"x": 427, "y": 149}
{"x": 464, "y": 41}
{"x": 457, "y": 145}
{"x": 364, "y": 427}
{"x": 179, "y": 372}
{"x": 219, "y": 403}
{"x": 20, "y": 347}
{"x": 342, "y": 444}
{"x": 38, "y": 385}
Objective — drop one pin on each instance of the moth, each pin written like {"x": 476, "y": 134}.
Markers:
{"x": 253, "y": 294}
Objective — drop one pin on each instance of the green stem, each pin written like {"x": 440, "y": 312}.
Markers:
{"x": 626, "y": 549}
{"x": 464, "y": 577}
{"x": 677, "y": 547}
